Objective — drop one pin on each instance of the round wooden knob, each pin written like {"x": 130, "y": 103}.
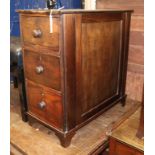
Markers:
{"x": 39, "y": 69}
{"x": 37, "y": 33}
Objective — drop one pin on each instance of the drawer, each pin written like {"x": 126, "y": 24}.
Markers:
{"x": 42, "y": 69}
{"x": 36, "y": 30}
{"x": 44, "y": 104}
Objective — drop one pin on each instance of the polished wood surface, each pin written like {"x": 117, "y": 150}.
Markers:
{"x": 135, "y": 78}
{"x": 124, "y": 140}
{"x": 100, "y": 55}
{"x": 39, "y": 140}
{"x": 52, "y": 112}
{"x": 43, "y": 12}
{"x": 31, "y": 24}
{"x": 50, "y": 76}
{"x": 117, "y": 148}
{"x": 88, "y": 70}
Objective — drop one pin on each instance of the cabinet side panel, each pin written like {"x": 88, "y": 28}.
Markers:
{"x": 99, "y": 63}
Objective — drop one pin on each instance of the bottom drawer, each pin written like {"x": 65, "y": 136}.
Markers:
{"x": 44, "y": 104}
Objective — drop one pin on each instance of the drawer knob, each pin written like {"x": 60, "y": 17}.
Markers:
{"x": 37, "y": 33}
{"x": 42, "y": 105}
{"x": 39, "y": 69}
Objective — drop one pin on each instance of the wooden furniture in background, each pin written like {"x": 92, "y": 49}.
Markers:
{"x": 118, "y": 148}
{"x": 124, "y": 141}
{"x": 140, "y": 132}
{"x": 135, "y": 75}
{"x": 78, "y": 70}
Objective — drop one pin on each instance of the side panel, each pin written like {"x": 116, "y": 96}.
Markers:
{"x": 98, "y": 59}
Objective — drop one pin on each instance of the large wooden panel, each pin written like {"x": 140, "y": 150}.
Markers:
{"x": 99, "y": 63}
{"x": 136, "y": 48}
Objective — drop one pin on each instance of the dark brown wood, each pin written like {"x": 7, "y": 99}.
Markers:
{"x": 50, "y": 76}
{"x": 65, "y": 139}
{"x": 100, "y": 54}
{"x": 140, "y": 132}
{"x": 136, "y": 46}
{"x": 52, "y": 111}
{"x": 68, "y": 89}
{"x": 124, "y": 53}
{"x": 118, "y": 148}
{"x": 30, "y": 25}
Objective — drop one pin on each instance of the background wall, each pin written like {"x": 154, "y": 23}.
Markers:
{"x": 135, "y": 75}
{"x": 33, "y": 4}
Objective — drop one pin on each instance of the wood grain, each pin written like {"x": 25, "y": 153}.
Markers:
{"x": 47, "y": 39}
{"x": 137, "y": 5}
{"x": 52, "y": 113}
{"x": 50, "y": 76}
{"x": 38, "y": 139}
{"x": 88, "y": 73}
{"x": 123, "y": 138}
{"x": 137, "y": 23}
{"x": 137, "y": 38}
{"x": 136, "y": 54}
{"x": 119, "y": 148}
{"x": 101, "y": 44}
{"x": 136, "y": 48}
{"x": 134, "y": 87}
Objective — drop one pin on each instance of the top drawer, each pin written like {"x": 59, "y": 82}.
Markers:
{"x": 36, "y": 30}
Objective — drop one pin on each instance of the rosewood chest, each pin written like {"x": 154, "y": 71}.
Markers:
{"x": 75, "y": 64}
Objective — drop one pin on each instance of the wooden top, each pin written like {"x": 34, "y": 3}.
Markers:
{"x": 68, "y": 11}
{"x": 126, "y": 132}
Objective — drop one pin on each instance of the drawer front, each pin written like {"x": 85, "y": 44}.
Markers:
{"x": 42, "y": 69}
{"x": 36, "y": 30}
{"x": 44, "y": 104}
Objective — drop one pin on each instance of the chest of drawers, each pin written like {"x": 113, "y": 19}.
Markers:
{"x": 75, "y": 65}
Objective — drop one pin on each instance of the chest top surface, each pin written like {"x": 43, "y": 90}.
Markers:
{"x": 69, "y": 11}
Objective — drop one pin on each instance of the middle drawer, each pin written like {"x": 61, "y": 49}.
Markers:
{"x": 42, "y": 69}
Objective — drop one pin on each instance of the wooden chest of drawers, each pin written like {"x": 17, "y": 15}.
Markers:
{"x": 75, "y": 65}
